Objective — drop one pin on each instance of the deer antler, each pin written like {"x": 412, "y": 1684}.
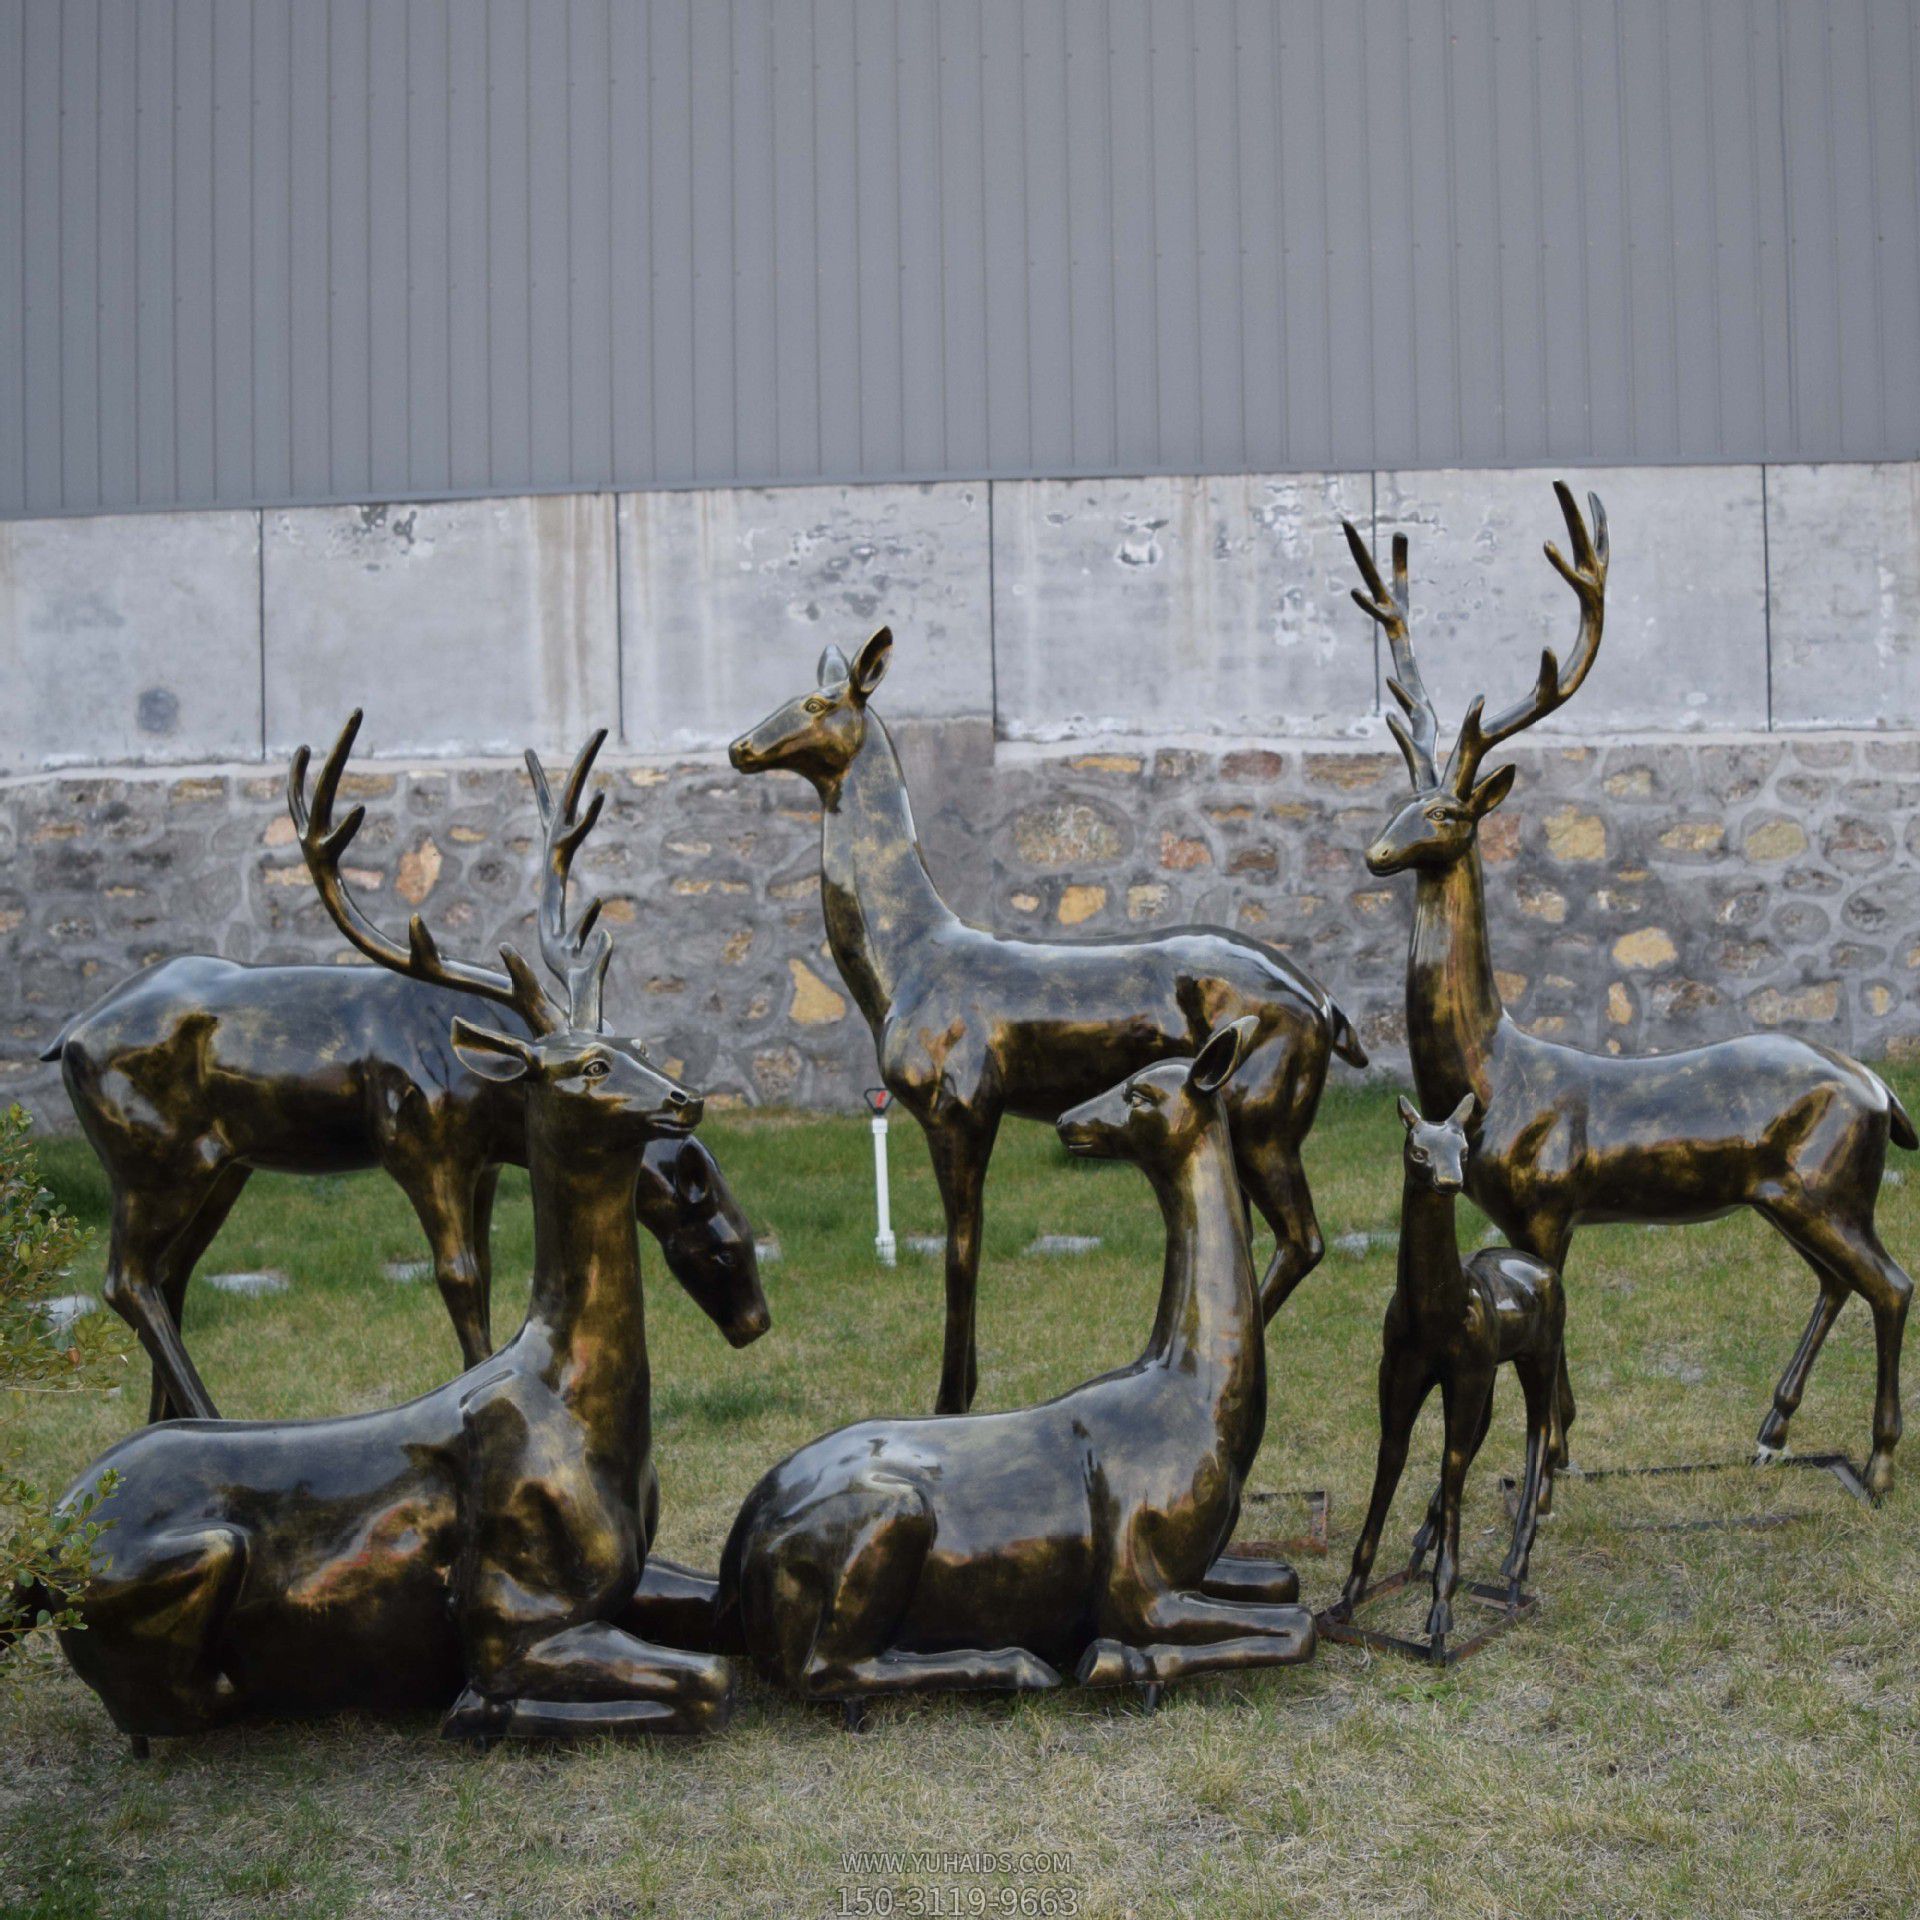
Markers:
{"x": 1587, "y": 576}
{"x": 1418, "y": 732}
{"x": 569, "y": 954}
{"x": 323, "y": 843}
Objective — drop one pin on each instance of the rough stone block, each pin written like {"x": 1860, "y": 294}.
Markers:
{"x": 130, "y": 638}
{"x": 1180, "y": 605}
{"x": 728, "y": 598}
{"x": 468, "y": 626}
{"x": 1844, "y": 547}
{"x": 1686, "y": 632}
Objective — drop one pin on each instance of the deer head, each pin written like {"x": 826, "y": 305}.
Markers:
{"x": 1435, "y": 1154}
{"x": 817, "y": 734}
{"x": 1438, "y": 824}
{"x": 1155, "y": 1117}
{"x": 596, "y": 1093}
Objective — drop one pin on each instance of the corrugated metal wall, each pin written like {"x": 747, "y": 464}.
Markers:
{"x": 270, "y": 251}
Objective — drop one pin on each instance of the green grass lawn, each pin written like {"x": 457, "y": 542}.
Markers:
{"x": 1697, "y": 1721}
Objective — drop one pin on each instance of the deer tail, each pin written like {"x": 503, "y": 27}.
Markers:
{"x": 1898, "y": 1125}
{"x": 58, "y": 1044}
{"x": 1346, "y": 1043}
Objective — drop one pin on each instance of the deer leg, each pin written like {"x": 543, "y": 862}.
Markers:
{"x": 177, "y": 1265}
{"x": 1404, "y": 1386}
{"x": 594, "y": 1678}
{"x": 1793, "y": 1383}
{"x": 1467, "y": 1397}
{"x": 145, "y": 1225}
{"x": 445, "y": 1196}
{"x": 1273, "y": 1179}
{"x": 1181, "y": 1634}
{"x": 1265, "y": 1582}
{"x": 1540, "y": 1382}
{"x": 1429, "y": 1533}
{"x": 673, "y": 1606}
{"x": 961, "y": 1150}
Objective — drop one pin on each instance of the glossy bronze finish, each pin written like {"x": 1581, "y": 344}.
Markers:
{"x": 1796, "y": 1131}
{"x": 969, "y": 1026}
{"x": 1454, "y": 1325}
{"x": 198, "y": 1071}
{"x": 995, "y": 1550}
{"x": 485, "y": 1541}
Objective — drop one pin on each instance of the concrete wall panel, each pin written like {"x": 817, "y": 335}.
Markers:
{"x": 1685, "y": 646}
{"x": 479, "y": 626}
{"x": 1844, "y": 568}
{"x": 1179, "y": 606}
{"x": 726, "y": 600}
{"x": 130, "y": 638}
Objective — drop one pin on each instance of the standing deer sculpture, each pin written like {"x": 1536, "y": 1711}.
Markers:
{"x": 485, "y": 1541}
{"x": 196, "y": 1072}
{"x": 1794, "y": 1130}
{"x": 992, "y": 1550}
{"x": 970, "y": 1026}
{"x": 1454, "y": 1325}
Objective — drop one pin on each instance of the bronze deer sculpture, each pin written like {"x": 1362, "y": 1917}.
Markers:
{"x": 993, "y": 1550}
{"x": 1794, "y": 1130}
{"x": 1454, "y": 1324}
{"x": 485, "y": 1541}
{"x": 970, "y": 1026}
{"x": 196, "y": 1072}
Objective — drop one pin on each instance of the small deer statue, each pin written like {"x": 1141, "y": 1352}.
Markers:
{"x": 197, "y": 1071}
{"x": 485, "y": 1541}
{"x": 1796, "y": 1131}
{"x": 970, "y": 1026}
{"x": 994, "y": 1550}
{"x": 1454, "y": 1325}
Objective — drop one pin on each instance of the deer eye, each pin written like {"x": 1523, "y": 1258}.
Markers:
{"x": 816, "y": 705}
{"x": 597, "y": 1069}
{"x": 1438, "y": 815}
{"x": 1419, "y": 1156}
{"x": 1137, "y": 1097}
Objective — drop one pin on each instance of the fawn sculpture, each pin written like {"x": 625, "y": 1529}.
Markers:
{"x": 970, "y": 1026}
{"x": 1455, "y": 1325}
{"x": 486, "y": 1540}
{"x": 1796, "y": 1131}
{"x": 993, "y": 1550}
{"x": 197, "y": 1071}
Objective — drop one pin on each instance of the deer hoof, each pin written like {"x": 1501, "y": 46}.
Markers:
{"x": 1878, "y": 1478}
{"x": 1766, "y": 1455}
{"x": 1110, "y": 1663}
{"x": 474, "y": 1717}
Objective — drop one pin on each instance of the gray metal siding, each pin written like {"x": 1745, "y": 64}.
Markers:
{"x": 274, "y": 251}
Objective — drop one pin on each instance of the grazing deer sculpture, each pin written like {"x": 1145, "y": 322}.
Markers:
{"x": 198, "y": 1071}
{"x": 970, "y": 1026}
{"x": 993, "y": 1550}
{"x": 486, "y": 1540}
{"x": 1455, "y": 1325}
{"x": 1796, "y": 1131}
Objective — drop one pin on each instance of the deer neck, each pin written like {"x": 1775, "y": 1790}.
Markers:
{"x": 1430, "y": 1275}
{"x": 1208, "y": 1324}
{"x": 585, "y": 1310}
{"x": 879, "y": 899}
{"x": 1453, "y": 1004}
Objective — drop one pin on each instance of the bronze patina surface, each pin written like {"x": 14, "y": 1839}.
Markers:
{"x": 970, "y": 1025}
{"x": 997, "y": 1550}
{"x": 1794, "y": 1130}
{"x": 484, "y": 1541}
{"x": 198, "y": 1071}
{"x": 1454, "y": 1325}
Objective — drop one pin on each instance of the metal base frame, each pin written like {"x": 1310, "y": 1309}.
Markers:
{"x": 1350, "y": 1633}
{"x": 1837, "y": 1464}
{"x": 1316, "y": 1539}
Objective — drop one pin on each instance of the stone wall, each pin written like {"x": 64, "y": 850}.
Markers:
{"x": 1644, "y": 893}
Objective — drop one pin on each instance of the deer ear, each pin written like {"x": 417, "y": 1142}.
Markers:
{"x": 870, "y": 664}
{"x": 833, "y": 668}
{"x": 1409, "y": 1114}
{"x": 493, "y": 1056}
{"x": 691, "y": 1181}
{"x": 1490, "y": 792}
{"x": 1226, "y": 1047}
{"x": 1462, "y": 1113}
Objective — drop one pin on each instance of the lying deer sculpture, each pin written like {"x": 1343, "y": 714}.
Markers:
{"x": 1796, "y": 1131}
{"x": 970, "y": 1026}
{"x": 993, "y": 1550}
{"x": 196, "y": 1072}
{"x": 1454, "y": 1325}
{"x": 485, "y": 1541}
